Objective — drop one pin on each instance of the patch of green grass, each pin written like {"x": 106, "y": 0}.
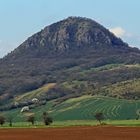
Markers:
{"x": 74, "y": 123}
{"x": 103, "y": 68}
{"x": 109, "y": 67}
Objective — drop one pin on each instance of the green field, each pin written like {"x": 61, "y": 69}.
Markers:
{"x": 82, "y": 108}
{"x": 74, "y": 123}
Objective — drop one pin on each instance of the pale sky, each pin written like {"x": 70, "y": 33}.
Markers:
{"x": 20, "y": 19}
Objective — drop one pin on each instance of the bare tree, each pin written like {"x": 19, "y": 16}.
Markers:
{"x": 47, "y": 120}
{"x": 2, "y": 120}
{"x": 10, "y": 120}
{"x": 99, "y": 117}
{"x": 31, "y": 119}
{"x": 138, "y": 114}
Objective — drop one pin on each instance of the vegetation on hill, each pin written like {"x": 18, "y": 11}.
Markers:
{"x": 74, "y": 86}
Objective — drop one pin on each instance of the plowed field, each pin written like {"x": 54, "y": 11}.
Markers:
{"x": 72, "y": 133}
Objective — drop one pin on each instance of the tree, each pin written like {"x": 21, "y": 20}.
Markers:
{"x": 138, "y": 114}
{"x": 31, "y": 119}
{"x": 2, "y": 120}
{"x": 10, "y": 120}
{"x": 47, "y": 120}
{"x": 99, "y": 117}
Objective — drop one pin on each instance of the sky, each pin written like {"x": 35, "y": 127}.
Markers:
{"x": 19, "y": 19}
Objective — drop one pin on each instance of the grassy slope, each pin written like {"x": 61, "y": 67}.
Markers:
{"x": 36, "y": 93}
{"x": 84, "y": 108}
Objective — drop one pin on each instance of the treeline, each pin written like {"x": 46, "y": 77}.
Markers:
{"x": 46, "y": 119}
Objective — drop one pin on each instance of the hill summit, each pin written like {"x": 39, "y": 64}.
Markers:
{"x": 71, "y": 33}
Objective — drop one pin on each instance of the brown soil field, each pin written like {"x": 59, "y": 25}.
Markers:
{"x": 72, "y": 133}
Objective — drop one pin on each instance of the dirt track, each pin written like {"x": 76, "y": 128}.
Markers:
{"x": 72, "y": 133}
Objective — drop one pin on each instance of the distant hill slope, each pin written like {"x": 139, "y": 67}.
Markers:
{"x": 78, "y": 54}
{"x": 119, "y": 87}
